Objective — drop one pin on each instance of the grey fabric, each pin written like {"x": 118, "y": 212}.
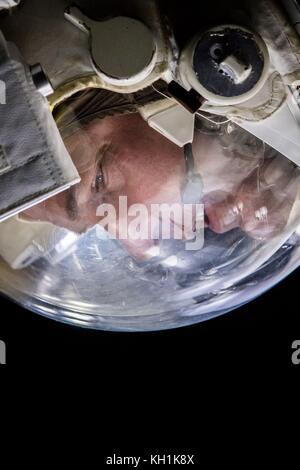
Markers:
{"x": 34, "y": 163}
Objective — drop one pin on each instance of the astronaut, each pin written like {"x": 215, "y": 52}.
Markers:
{"x": 246, "y": 185}
{"x": 160, "y": 105}
{"x": 123, "y": 115}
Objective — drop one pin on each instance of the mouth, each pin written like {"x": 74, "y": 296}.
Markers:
{"x": 221, "y": 214}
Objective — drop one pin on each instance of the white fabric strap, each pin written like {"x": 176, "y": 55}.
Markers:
{"x": 6, "y": 4}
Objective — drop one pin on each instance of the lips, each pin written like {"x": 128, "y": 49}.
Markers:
{"x": 222, "y": 214}
{"x": 259, "y": 215}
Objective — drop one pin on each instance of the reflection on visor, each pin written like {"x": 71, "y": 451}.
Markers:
{"x": 142, "y": 201}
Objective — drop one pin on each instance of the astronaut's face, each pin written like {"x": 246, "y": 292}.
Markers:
{"x": 116, "y": 156}
{"x": 123, "y": 156}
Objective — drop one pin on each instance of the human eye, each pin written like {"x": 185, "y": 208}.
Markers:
{"x": 99, "y": 183}
{"x": 99, "y": 179}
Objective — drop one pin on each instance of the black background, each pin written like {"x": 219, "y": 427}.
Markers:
{"x": 229, "y": 382}
{"x": 192, "y": 390}
{"x": 257, "y": 336}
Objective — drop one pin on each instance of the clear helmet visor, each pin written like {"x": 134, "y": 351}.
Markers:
{"x": 125, "y": 249}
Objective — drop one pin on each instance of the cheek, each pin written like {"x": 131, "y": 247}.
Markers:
{"x": 157, "y": 185}
{"x": 116, "y": 179}
{"x": 84, "y": 189}
{"x": 149, "y": 192}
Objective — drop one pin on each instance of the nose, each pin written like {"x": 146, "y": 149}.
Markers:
{"x": 222, "y": 212}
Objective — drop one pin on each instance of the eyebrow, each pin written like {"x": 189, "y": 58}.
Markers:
{"x": 101, "y": 152}
{"x": 72, "y": 205}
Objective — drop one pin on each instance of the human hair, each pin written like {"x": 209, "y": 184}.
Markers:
{"x": 96, "y": 103}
